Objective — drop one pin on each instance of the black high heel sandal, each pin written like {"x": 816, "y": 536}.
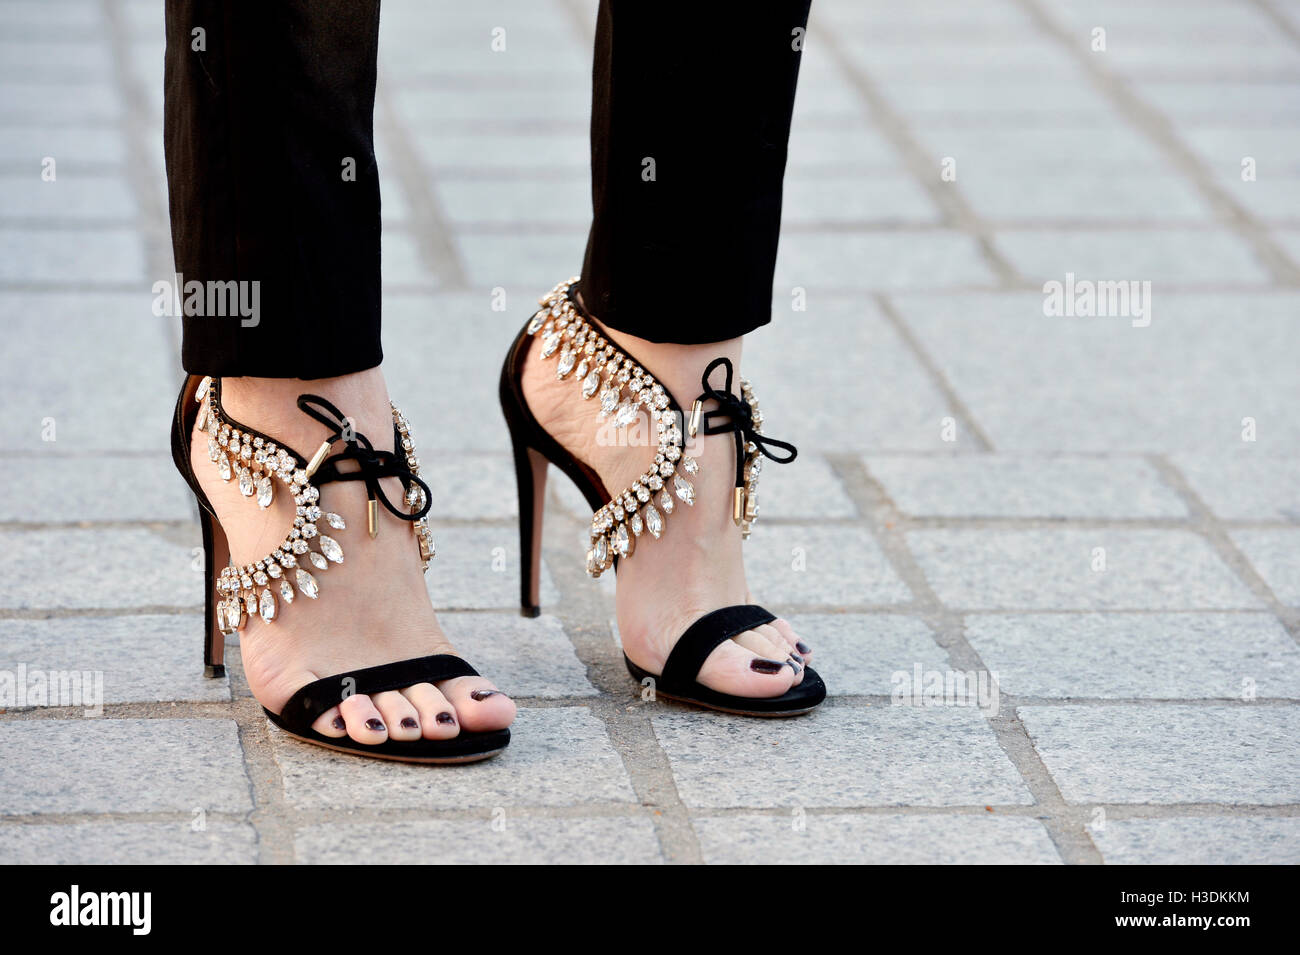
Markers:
{"x": 624, "y": 387}
{"x": 263, "y": 467}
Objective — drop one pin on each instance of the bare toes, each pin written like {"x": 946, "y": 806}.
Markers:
{"x": 770, "y": 647}
{"x": 782, "y": 626}
{"x": 330, "y": 723}
{"x": 734, "y": 669}
{"x": 437, "y": 715}
{"x": 399, "y": 715}
{"x": 364, "y": 721}
{"x": 480, "y": 706}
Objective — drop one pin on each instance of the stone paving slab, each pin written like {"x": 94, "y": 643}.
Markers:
{"x": 874, "y": 755}
{"x": 549, "y": 202}
{"x": 1130, "y": 753}
{"x": 139, "y": 658}
{"x": 1185, "y": 382}
{"x": 130, "y": 843}
{"x": 75, "y": 148}
{"x": 525, "y": 657}
{"x": 1007, "y": 52}
{"x": 1244, "y": 486}
{"x": 558, "y": 100}
{"x": 874, "y": 840}
{"x": 478, "y": 568}
{"x": 1275, "y": 554}
{"x": 25, "y": 101}
{"x": 449, "y": 393}
{"x": 1248, "y": 103}
{"x": 1147, "y": 656}
{"x": 1160, "y": 256}
{"x": 470, "y": 487}
{"x": 897, "y": 406}
{"x": 878, "y": 201}
{"x": 1081, "y": 196}
{"x": 1025, "y": 486}
{"x": 526, "y": 261}
{"x": 54, "y": 570}
{"x": 557, "y": 757}
{"x": 26, "y": 198}
{"x": 405, "y": 268}
{"x": 1200, "y": 840}
{"x": 941, "y": 16}
{"x": 110, "y": 256}
{"x": 844, "y": 145}
{"x": 1053, "y": 570}
{"x": 122, "y": 766}
{"x": 1276, "y": 150}
{"x": 812, "y": 564}
{"x": 560, "y": 152}
{"x": 857, "y": 654}
{"x": 983, "y": 153}
{"x": 524, "y": 840}
{"x": 894, "y": 261}
{"x": 59, "y": 489}
{"x": 68, "y": 407}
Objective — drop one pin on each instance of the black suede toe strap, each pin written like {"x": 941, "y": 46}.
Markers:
{"x": 315, "y": 698}
{"x": 706, "y": 635}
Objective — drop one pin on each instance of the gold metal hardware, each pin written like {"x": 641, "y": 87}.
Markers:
{"x": 697, "y": 411}
{"x": 317, "y": 459}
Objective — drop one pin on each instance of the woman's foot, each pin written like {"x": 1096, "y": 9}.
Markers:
{"x": 697, "y": 565}
{"x": 373, "y": 608}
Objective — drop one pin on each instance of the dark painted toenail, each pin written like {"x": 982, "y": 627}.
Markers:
{"x": 482, "y": 694}
{"x": 408, "y": 723}
{"x": 802, "y": 647}
{"x": 375, "y": 725}
{"x": 339, "y": 724}
{"x": 796, "y": 658}
{"x": 446, "y": 718}
{"x": 766, "y": 666}
{"x": 794, "y": 666}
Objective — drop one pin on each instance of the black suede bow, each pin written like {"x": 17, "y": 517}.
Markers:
{"x": 739, "y": 419}
{"x": 372, "y": 465}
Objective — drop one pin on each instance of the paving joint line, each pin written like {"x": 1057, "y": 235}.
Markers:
{"x": 1280, "y": 19}
{"x": 1205, "y": 523}
{"x": 948, "y": 629}
{"x": 956, "y": 405}
{"x": 1156, "y": 127}
{"x": 629, "y": 728}
{"x": 946, "y": 196}
{"x": 428, "y": 221}
{"x": 136, "y": 130}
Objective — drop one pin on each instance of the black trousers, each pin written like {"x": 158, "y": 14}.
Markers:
{"x": 267, "y": 103}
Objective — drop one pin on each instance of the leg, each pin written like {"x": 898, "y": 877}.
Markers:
{"x": 272, "y": 179}
{"x": 678, "y": 267}
{"x": 708, "y": 101}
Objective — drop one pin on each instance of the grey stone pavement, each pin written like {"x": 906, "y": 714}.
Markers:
{"x": 1103, "y": 513}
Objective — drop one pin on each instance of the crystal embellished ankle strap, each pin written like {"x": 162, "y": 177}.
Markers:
{"x": 623, "y": 388}
{"x": 258, "y": 463}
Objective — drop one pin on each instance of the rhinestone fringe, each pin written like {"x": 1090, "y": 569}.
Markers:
{"x": 257, "y": 464}
{"x": 624, "y": 390}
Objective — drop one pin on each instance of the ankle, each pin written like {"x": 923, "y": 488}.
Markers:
{"x": 678, "y": 367}
{"x": 270, "y": 405}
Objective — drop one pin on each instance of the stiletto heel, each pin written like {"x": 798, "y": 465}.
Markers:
{"x": 625, "y": 390}
{"x": 530, "y": 476}
{"x": 216, "y": 554}
{"x": 263, "y": 467}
